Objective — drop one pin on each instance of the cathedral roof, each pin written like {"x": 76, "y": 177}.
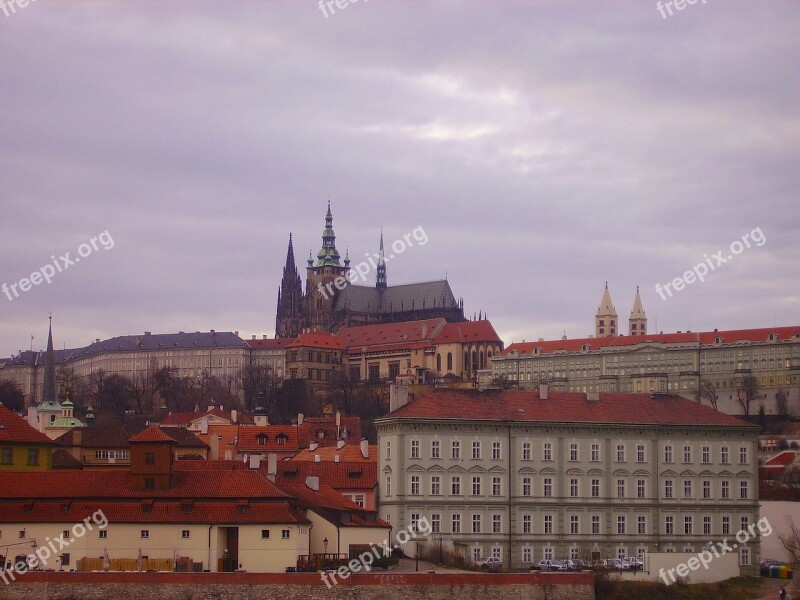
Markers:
{"x": 397, "y": 298}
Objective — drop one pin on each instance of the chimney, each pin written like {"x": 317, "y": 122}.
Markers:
{"x": 254, "y": 336}
{"x": 272, "y": 464}
{"x": 204, "y": 426}
{"x": 146, "y": 333}
{"x": 213, "y": 332}
{"x": 365, "y": 448}
{"x": 265, "y": 336}
{"x": 312, "y": 483}
{"x": 97, "y": 340}
{"x": 338, "y": 423}
{"x": 255, "y": 461}
{"x": 593, "y": 396}
{"x": 317, "y": 458}
{"x": 236, "y": 333}
{"x": 213, "y": 453}
{"x": 544, "y": 391}
{"x": 77, "y": 437}
{"x": 228, "y": 455}
{"x": 235, "y": 416}
{"x": 300, "y": 418}
{"x": 398, "y": 396}
{"x": 313, "y": 446}
{"x": 339, "y": 444}
{"x": 337, "y": 458}
{"x": 424, "y": 330}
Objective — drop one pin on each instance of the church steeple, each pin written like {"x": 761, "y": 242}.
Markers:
{"x": 381, "y": 278}
{"x": 49, "y": 393}
{"x": 605, "y": 321}
{"x": 637, "y": 324}
{"x": 289, "y": 316}
{"x": 328, "y": 254}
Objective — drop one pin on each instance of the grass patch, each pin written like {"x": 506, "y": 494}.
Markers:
{"x": 738, "y": 588}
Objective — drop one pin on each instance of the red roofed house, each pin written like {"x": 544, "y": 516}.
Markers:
{"x": 199, "y": 420}
{"x": 22, "y": 447}
{"x": 527, "y": 475}
{"x": 314, "y": 356}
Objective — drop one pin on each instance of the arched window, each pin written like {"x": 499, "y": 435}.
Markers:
{"x": 449, "y": 361}
{"x": 466, "y": 362}
{"x": 483, "y": 360}
{"x": 439, "y": 362}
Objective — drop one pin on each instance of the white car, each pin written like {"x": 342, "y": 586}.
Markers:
{"x": 490, "y": 563}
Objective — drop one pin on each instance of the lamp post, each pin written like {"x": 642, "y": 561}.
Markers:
{"x": 325, "y": 556}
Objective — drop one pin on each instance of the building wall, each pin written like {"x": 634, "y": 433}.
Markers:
{"x": 512, "y": 503}
{"x": 340, "y": 538}
{"x": 19, "y": 457}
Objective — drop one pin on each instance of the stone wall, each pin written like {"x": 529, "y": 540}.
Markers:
{"x": 300, "y": 586}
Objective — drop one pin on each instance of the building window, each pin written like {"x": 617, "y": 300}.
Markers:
{"x": 285, "y": 534}
{"x": 687, "y": 454}
{"x": 573, "y": 488}
{"x": 745, "y": 521}
{"x": 476, "y": 523}
{"x": 149, "y": 458}
{"x": 497, "y": 524}
{"x": 620, "y": 488}
{"x": 706, "y": 455}
{"x": 743, "y": 455}
{"x": 435, "y": 485}
{"x": 595, "y": 452}
{"x": 33, "y": 457}
{"x": 687, "y": 488}
{"x": 415, "y": 485}
{"x": 548, "y": 553}
{"x": 687, "y": 525}
{"x": 640, "y": 488}
{"x": 455, "y": 485}
{"x": 388, "y": 450}
{"x": 668, "y": 488}
{"x": 669, "y": 525}
{"x": 265, "y": 534}
{"x": 667, "y": 454}
{"x": 595, "y": 488}
{"x": 595, "y": 524}
{"x": 144, "y": 534}
{"x": 456, "y": 523}
{"x": 574, "y": 524}
{"x": 706, "y": 489}
{"x": 436, "y": 523}
{"x": 496, "y": 454}
{"x": 6, "y": 456}
{"x": 496, "y": 486}
{"x": 724, "y": 459}
{"x": 706, "y": 525}
{"x": 726, "y": 525}
{"x": 526, "y": 524}
{"x": 185, "y": 534}
{"x": 548, "y": 487}
{"x": 456, "y": 449}
{"x": 526, "y": 450}
{"x": 641, "y": 525}
{"x": 547, "y": 451}
{"x": 414, "y": 448}
{"x": 526, "y": 486}
{"x": 743, "y": 490}
{"x": 726, "y": 489}
{"x": 149, "y": 483}
{"x": 476, "y": 485}
{"x": 435, "y": 448}
{"x": 744, "y": 557}
{"x": 640, "y": 453}
{"x": 527, "y": 555}
{"x": 573, "y": 452}
{"x": 476, "y": 450}
{"x": 620, "y": 452}
{"x": 548, "y": 524}
{"x": 414, "y": 522}
{"x": 620, "y": 524}
{"x": 102, "y": 534}
{"x": 388, "y": 485}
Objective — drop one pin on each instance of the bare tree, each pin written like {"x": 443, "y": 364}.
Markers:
{"x": 708, "y": 392}
{"x": 791, "y": 541}
{"x": 782, "y": 403}
{"x": 791, "y": 476}
{"x": 746, "y": 392}
{"x": 11, "y": 395}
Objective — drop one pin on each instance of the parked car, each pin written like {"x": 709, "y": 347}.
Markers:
{"x": 570, "y": 565}
{"x": 634, "y": 563}
{"x": 545, "y": 565}
{"x": 610, "y": 564}
{"x": 490, "y": 563}
{"x": 582, "y": 565}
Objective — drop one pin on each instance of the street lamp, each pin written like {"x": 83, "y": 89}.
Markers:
{"x": 325, "y": 556}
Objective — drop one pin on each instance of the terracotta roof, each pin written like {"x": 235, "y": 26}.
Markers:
{"x": 317, "y": 339}
{"x": 334, "y": 506}
{"x": 340, "y": 476}
{"x": 250, "y": 436}
{"x": 563, "y": 407}
{"x": 64, "y": 460}
{"x": 184, "y": 437}
{"x": 349, "y": 428}
{"x": 112, "y": 436}
{"x": 782, "y": 459}
{"x": 389, "y": 334}
{"x": 210, "y": 465}
{"x": 469, "y": 331}
{"x": 186, "y": 418}
{"x": 704, "y": 337}
{"x": 48, "y": 511}
{"x": 348, "y": 453}
{"x": 15, "y": 429}
{"x": 228, "y": 435}
{"x": 116, "y": 484}
{"x": 152, "y": 434}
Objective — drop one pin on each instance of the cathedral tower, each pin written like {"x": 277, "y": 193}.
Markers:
{"x": 605, "y": 321}
{"x": 637, "y": 324}
{"x": 289, "y": 318}
{"x": 380, "y": 282}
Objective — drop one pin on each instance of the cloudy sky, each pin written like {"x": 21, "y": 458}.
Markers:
{"x": 544, "y": 148}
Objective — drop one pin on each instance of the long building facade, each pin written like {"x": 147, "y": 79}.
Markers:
{"x": 526, "y": 476}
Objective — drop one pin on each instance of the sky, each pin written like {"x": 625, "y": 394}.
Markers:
{"x": 543, "y": 148}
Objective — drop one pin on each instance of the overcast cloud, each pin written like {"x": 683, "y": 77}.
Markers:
{"x": 545, "y": 148}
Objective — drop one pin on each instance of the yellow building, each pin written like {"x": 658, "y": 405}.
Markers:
{"x": 22, "y": 448}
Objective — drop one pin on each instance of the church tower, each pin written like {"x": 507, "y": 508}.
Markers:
{"x": 325, "y": 278}
{"x": 637, "y": 324}
{"x": 289, "y": 318}
{"x": 380, "y": 282}
{"x": 605, "y": 321}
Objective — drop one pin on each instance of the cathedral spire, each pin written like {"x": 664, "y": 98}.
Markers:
{"x": 381, "y": 278}
{"x": 637, "y": 324}
{"x": 606, "y": 317}
{"x": 328, "y": 254}
{"x": 49, "y": 388}
{"x": 289, "y": 313}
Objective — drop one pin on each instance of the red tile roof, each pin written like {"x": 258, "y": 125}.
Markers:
{"x": 210, "y": 465}
{"x": 185, "y": 418}
{"x": 206, "y": 512}
{"x": 782, "y": 459}
{"x": 152, "y": 434}
{"x": 469, "y": 331}
{"x": 249, "y": 438}
{"x": 273, "y": 344}
{"x": 340, "y": 476}
{"x": 330, "y": 503}
{"x": 228, "y": 434}
{"x": 116, "y": 484}
{"x": 563, "y": 407}
{"x": 64, "y": 460}
{"x": 312, "y": 426}
{"x": 704, "y": 337}
{"x": 390, "y": 334}
{"x": 348, "y": 453}
{"x": 317, "y": 339}
{"x": 15, "y": 429}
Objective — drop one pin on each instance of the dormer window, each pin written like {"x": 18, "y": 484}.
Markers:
{"x": 717, "y": 340}
{"x": 773, "y": 337}
{"x": 281, "y": 440}
{"x": 585, "y": 348}
{"x": 261, "y": 438}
